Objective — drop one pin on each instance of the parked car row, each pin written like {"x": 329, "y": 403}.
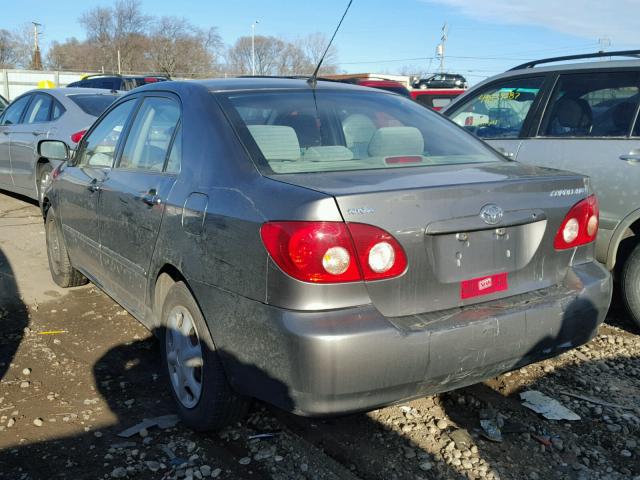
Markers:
{"x": 116, "y": 82}
{"x": 331, "y": 248}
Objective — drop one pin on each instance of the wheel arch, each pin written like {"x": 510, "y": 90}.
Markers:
{"x": 629, "y": 227}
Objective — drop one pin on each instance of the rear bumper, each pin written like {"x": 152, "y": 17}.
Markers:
{"x": 322, "y": 363}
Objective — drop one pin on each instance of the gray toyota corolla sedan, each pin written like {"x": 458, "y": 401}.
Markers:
{"x": 329, "y": 250}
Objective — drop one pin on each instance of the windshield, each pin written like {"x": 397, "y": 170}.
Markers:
{"x": 93, "y": 105}
{"x": 297, "y": 131}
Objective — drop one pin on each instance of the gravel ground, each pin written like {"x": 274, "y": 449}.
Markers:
{"x": 76, "y": 370}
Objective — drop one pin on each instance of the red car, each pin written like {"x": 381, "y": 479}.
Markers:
{"x": 436, "y": 99}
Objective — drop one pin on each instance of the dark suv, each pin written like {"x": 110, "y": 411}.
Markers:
{"x": 116, "y": 82}
{"x": 442, "y": 80}
{"x": 581, "y": 117}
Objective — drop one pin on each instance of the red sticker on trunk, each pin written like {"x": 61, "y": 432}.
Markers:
{"x": 477, "y": 287}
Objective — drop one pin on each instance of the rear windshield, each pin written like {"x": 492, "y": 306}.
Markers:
{"x": 297, "y": 131}
{"x": 93, "y": 105}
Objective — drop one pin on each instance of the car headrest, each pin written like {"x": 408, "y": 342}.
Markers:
{"x": 573, "y": 113}
{"x": 358, "y": 128}
{"x": 393, "y": 141}
{"x": 276, "y": 142}
{"x": 330, "y": 153}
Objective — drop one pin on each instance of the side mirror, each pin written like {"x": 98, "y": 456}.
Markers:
{"x": 53, "y": 150}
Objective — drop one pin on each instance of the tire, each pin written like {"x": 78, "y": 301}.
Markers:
{"x": 62, "y": 272}
{"x": 205, "y": 401}
{"x": 44, "y": 177}
{"x": 630, "y": 284}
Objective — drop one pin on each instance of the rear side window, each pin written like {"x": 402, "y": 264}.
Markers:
{"x": 14, "y": 111}
{"x": 99, "y": 147}
{"x": 305, "y": 131}
{"x": 500, "y": 110}
{"x": 39, "y": 109}
{"x": 58, "y": 110}
{"x": 151, "y": 133}
{"x": 93, "y": 105}
{"x": 592, "y": 105}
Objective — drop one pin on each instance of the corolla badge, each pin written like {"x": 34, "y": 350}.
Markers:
{"x": 491, "y": 214}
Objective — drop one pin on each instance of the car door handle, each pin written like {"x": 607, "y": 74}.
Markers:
{"x": 630, "y": 157}
{"x": 93, "y": 186}
{"x": 151, "y": 198}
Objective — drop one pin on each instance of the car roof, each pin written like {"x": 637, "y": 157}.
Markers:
{"x": 252, "y": 84}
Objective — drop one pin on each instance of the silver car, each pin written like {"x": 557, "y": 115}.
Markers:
{"x": 578, "y": 117}
{"x": 55, "y": 114}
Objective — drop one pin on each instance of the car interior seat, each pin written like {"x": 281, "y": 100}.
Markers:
{"x": 276, "y": 142}
{"x": 622, "y": 117}
{"x": 570, "y": 117}
{"x": 358, "y": 131}
{"x": 396, "y": 141}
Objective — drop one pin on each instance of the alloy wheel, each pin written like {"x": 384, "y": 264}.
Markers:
{"x": 184, "y": 356}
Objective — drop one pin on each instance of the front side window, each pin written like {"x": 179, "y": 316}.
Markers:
{"x": 151, "y": 133}
{"x": 326, "y": 130}
{"x": 500, "y": 110}
{"x": 592, "y": 105}
{"x": 39, "y": 109}
{"x": 13, "y": 113}
{"x": 100, "y": 145}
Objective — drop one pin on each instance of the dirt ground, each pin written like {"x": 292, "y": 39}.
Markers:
{"x": 76, "y": 370}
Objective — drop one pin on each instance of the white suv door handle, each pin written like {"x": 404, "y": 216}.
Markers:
{"x": 630, "y": 157}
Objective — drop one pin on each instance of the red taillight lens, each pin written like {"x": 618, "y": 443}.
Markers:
{"x": 379, "y": 254}
{"x": 76, "y": 137}
{"x": 150, "y": 80}
{"x": 333, "y": 252}
{"x": 580, "y": 226}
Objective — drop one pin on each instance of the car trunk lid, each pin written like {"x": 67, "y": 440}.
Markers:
{"x": 460, "y": 251}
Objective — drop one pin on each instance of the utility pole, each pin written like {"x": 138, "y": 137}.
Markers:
{"x": 253, "y": 47}
{"x": 36, "y": 58}
{"x": 440, "y": 48}
{"x": 119, "y": 64}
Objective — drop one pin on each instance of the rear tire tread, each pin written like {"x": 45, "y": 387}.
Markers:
{"x": 630, "y": 284}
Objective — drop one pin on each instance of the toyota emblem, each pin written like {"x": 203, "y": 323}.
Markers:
{"x": 491, "y": 214}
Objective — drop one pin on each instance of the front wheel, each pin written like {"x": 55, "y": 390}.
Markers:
{"x": 62, "y": 272}
{"x": 630, "y": 283}
{"x": 204, "y": 398}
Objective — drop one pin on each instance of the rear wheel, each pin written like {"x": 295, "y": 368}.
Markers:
{"x": 204, "y": 398}
{"x": 62, "y": 272}
{"x": 630, "y": 283}
{"x": 44, "y": 178}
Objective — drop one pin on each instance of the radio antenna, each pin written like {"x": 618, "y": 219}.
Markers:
{"x": 313, "y": 80}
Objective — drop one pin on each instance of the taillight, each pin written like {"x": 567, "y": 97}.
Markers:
{"x": 333, "y": 252}
{"x": 580, "y": 226}
{"x": 76, "y": 137}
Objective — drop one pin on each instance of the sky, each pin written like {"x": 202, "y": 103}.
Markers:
{"x": 485, "y": 37}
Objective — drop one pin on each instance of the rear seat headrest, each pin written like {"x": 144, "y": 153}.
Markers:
{"x": 277, "y": 142}
{"x": 329, "y": 153}
{"x": 393, "y": 141}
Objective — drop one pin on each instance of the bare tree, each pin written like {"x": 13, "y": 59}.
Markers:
{"x": 268, "y": 52}
{"x": 313, "y": 46}
{"x": 8, "y": 57}
{"x": 121, "y": 28}
{"x": 177, "y": 46}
